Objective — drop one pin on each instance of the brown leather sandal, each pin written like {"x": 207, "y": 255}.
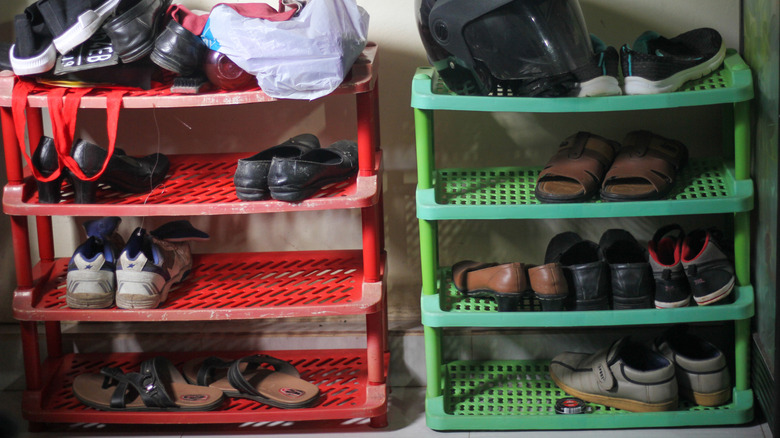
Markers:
{"x": 575, "y": 172}
{"x": 645, "y": 168}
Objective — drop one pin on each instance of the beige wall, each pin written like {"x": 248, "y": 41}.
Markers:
{"x": 481, "y": 139}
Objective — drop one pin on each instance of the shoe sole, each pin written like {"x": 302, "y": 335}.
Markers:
{"x": 717, "y": 295}
{"x": 87, "y": 289}
{"x": 38, "y": 64}
{"x": 247, "y": 194}
{"x": 673, "y": 305}
{"x": 619, "y": 403}
{"x": 294, "y": 194}
{"x": 707, "y": 399}
{"x": 86, "y": 25}
{"x": 600, "y": 86}
{"x": 633, "y": 85}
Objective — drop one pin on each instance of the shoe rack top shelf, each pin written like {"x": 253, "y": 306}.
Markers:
{"x": 360, "y": 79}
{"x": 197, "y": 184}
{"x": 341, "y": 375}
{"x": 226, "y": 287}
{"x": 704, "y": 186}
{"x": 731, "y": 83}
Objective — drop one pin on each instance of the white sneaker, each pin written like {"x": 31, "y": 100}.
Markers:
{"x": 90, "y": 282}
{"x": 153, "y": 262}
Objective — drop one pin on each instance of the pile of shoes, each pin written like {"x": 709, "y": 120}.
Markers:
{"x": 638, "y": 377}
{"x": 644, "y": 167}
{"x": 111, "y": 34}
{"x": 654, "y": 64}
{"x": 615, "y": 273}
{"x": 136, "y": 274}
{"x": 295, "y": 169}
{"x": 203, "y": 385}
{"x": 123, "y": 173}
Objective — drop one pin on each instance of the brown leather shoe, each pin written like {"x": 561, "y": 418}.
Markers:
{"x": 503, "y": 282}
{"x": 549, "y": 286}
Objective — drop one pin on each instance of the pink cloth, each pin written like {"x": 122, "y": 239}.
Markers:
{"x": 195, "y": 23}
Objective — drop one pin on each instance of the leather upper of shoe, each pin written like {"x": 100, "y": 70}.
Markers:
{"x": 45, "y": 156}
{"x": 135, "y": 26}
{"x": 631, "y": 275}
{"x": 700, "y": 366}
{"x": 337, "y": 161}
{"x": 548, "y": 280}
{"x": 252, "y": 172}
{"x": 470, "y": 276}
{"x": 586, "y": 273}
{"x": 178, "y": 50}
{"x": 625, "y": 370}
{"x": 125, "y": 173}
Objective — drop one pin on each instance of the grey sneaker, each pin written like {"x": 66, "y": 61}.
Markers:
{"x": 153, "y": 262}
{"x": 627, "y": 375}
{"x": 91, "y": 282}
{"x": 700, "y": 367}
{"x": 709, "y": 269}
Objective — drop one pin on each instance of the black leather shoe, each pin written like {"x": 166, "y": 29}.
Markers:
{"x": 178, "y": 50}
{"x": 251, "y": 177}
{"x": 123, "y": 173}
{"x": 295, "y": 179}
{"x": 46, "y": 162}
{"x": 632, "y": 281}
{"x": 586, "y": 273}
{"x": 135, "y": 27}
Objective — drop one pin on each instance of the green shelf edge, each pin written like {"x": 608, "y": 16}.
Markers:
{"x": 742, "y": 308}
{"x": 741, "y": 412}
{"x": 734, "y": 71}
{"x": 740, "y": 199}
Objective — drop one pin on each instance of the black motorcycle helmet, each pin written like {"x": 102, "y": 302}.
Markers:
{"x": 530, "y": 45}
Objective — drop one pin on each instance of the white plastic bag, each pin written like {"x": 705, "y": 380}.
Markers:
{"x": 305, "y": 57}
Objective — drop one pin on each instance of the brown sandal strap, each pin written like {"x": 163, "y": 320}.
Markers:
{"x": 583, "y": 157}
{"x": 650, "y": 157}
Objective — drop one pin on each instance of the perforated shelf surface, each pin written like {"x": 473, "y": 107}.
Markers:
{"x": 341, "y": 375}
{"x": 197, "y": 184}
{"x": 508, "y": 193}
{"x": 227, "y": 287}
{"x": 520, "y": 394}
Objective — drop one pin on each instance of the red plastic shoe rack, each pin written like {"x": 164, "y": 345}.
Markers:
{"x": 240, "y": 286}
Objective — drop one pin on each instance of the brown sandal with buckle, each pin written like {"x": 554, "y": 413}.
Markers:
{"x": 645, "y": 168}
{"x": 575, "y": 172}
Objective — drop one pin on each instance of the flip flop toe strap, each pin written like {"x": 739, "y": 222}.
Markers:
{"x": 238, "y": 380}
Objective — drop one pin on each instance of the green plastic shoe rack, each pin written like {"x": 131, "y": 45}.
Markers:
{"x": 514, "y": 394}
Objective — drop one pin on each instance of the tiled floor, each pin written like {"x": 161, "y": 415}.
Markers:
{"x": 406, "y": 418}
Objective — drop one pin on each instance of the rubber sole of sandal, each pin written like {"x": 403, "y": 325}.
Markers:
{"x": 615, "y": 402}
{"x": 633, "y": 85}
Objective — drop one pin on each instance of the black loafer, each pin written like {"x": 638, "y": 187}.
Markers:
{"x": 135, "y": 27}
{"x": 295, "y": 179}
{"x": 178, "y": 50}
{"x": 251, "y": 177}
{"x": 586, "y": 273}
{"x": 631, "y": 276}
{"x": 123, "y": 173}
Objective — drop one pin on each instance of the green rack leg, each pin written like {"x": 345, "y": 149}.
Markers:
{"x": 433, "y": 362}
{"x": 423, "y": 130}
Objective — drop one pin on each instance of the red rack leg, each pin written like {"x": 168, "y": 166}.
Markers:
{"x": 54, "y": 338}
{"x": 32, "y": 356}
{"x": 13, "y": 163}
{"x": 367, "y": 144}
{"x": 375, "y": 348}
{"x": 371, "y": 239}
{"x": 379, "y": 422}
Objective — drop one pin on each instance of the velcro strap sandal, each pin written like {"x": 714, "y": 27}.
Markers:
{"x": 645, "y": 168}
{"x": 576, "y": 171}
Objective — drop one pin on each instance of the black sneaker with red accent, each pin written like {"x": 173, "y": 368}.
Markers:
{"x": 665, "y": 256}
{"x": 709, "y": 269}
